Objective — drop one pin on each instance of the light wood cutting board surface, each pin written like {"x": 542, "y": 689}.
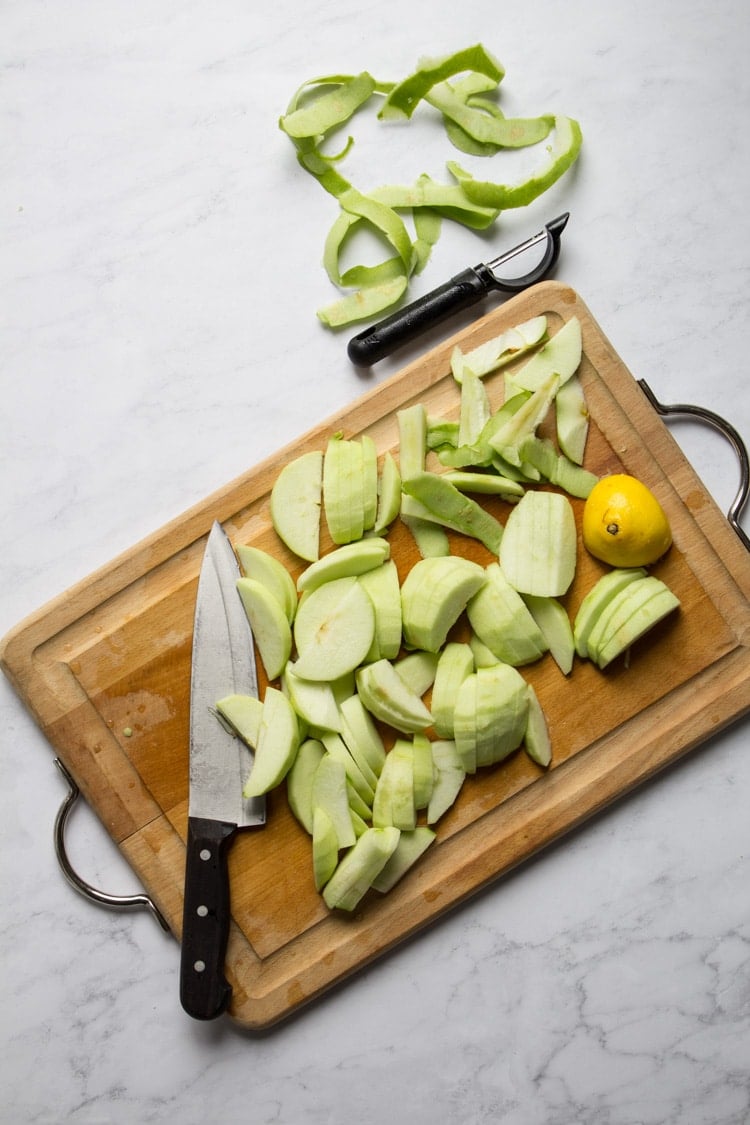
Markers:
{"x": 105, "y": 670}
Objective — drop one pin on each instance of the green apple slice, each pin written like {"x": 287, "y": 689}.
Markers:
{"x": 640, "y": 610}
{"x": 536, "y": 739}
{"x": 484, "y": 657}
{"x": 342, "y": 562}
{"x": 596, "y": 600}
{"x": 455, "y": 663}
{"x": 506, "y": 438}
{"x": 313, "y": 700}
{"x": 433, "y": 595}
{"x": 560, "y": 355}
{"x": 325, "y": 848}
{"x": 278, "y": 742}
{"x": 381, "y": 584}
{"x": 389, "y": 495}
{"x": 503, "y": 622}
{"x": 501, "y": 713}
{"x": 270, "y": 625}
{"x": 299, "y": 781}
{"x": 363, "y": 785}
{"x": 386, "y": 697}
{"x": 422, "y": 764}
{"x": 358, "y": 728}
{"x": 243, "y": 713}
{"x": 554, "y": 623}
{"x": 333, "y": 630}
{"x": 369, "y": 481}
{"x": 343, "y": 491}
{"x": 619, "y": 609}
{"x": 417, "y": 669}
{"x": 449, "y": 778}
{"x": 410, "y": 848}
{"x": 295, "y": 504}
{"x": 394, "y": 794}
{"x": 538, "y": 552}
{"x": 267, "y": 570}
{"x": 572, "y": 419}
{"x": 465, "y": 724}
{"x": 499, "y": 351}
{"x": 329, "y": 792}
{"x": 356, "y": 871}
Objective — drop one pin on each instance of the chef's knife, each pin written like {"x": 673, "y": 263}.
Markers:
{"x": 223, "y": 663}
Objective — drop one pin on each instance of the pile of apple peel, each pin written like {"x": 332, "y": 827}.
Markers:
{"x": 380, "y": 712}
{"x": 462, "y": 88}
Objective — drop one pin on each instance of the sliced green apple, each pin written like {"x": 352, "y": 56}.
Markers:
{"x": 278, "y": 742}
{"x": 560, "y": 355}
{"x": 295, "y": 504}
{"x": 267, "y": 570}
{"x": 433, "y": 595}
{"x": 345, "y": 561}
{"x": 313, "y": 700}
{"x": 437, "y": 500}
{"x": 449, "y": 778}
{"x": 554, "y": 623}
{"x": 455, "y": 663}
{"x": 381, "y": 584}
{"x": 359, "y": 729}
{"x": 329, "y": 792}
{"x": 333, "y": 630}
{"x": 596, "y": 600}
{"x": 538, "y": 552}
{"x": 536, "y": 739}
{"x": 410, "y": 848}
{"x": 360, "y": 866}
{"x": 325, "y": 848}
{"x": 243, "y": 714}
{"x": 572, "y": 419}
{"x": 386, "y": 697}
{"x": 299, "y": 781}
{"x": 502, "y": 621}
{"x": 270, "y": 625}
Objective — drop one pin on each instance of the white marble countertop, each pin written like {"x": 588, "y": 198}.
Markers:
{"x": 160, "y": 273}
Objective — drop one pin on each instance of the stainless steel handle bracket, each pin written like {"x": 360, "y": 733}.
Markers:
{"x": 116, "y": 902}
{"x": 730, "y": 433}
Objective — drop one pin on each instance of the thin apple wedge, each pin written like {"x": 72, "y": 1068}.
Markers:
{"x": 351, "y": 559}
{"x": 295, "y": 504}
{"x": 411, "y": 846}
{"x": 386, "y": 697}
{"x": 358, "y": 869}
{"x": 278, "y": 742}
{"x": 270, "y": 625}
{"x": 267, "y": 570}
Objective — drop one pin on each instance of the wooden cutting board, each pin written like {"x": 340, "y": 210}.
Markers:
{"x": 105, "y": 671}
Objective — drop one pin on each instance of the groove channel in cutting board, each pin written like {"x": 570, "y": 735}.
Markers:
{"x": 113, "y": 655}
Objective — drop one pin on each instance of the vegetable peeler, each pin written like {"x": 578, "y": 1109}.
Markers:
{"x": 462, "y": 291}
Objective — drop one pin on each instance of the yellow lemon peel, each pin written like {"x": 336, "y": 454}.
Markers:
{"x": 624, "y": 524}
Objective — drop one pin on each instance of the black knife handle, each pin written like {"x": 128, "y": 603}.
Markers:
{"x": 462, "y": 291}
{"x": 204, "y": 990}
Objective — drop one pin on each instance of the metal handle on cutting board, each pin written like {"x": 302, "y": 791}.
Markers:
{"x": 117, "y": 902}
{"x": 730, "y": 433}
{"x": 130, "y": 902}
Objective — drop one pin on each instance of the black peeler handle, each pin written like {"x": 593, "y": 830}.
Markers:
{"x": 462, "y": 291}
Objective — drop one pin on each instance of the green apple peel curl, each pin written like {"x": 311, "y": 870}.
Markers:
{"x": 458, "y": 87}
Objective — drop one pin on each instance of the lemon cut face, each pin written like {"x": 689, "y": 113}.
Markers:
{"x": 624, "y": 524}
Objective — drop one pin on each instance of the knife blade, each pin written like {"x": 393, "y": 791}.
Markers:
{"x": 223, "y": 662}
